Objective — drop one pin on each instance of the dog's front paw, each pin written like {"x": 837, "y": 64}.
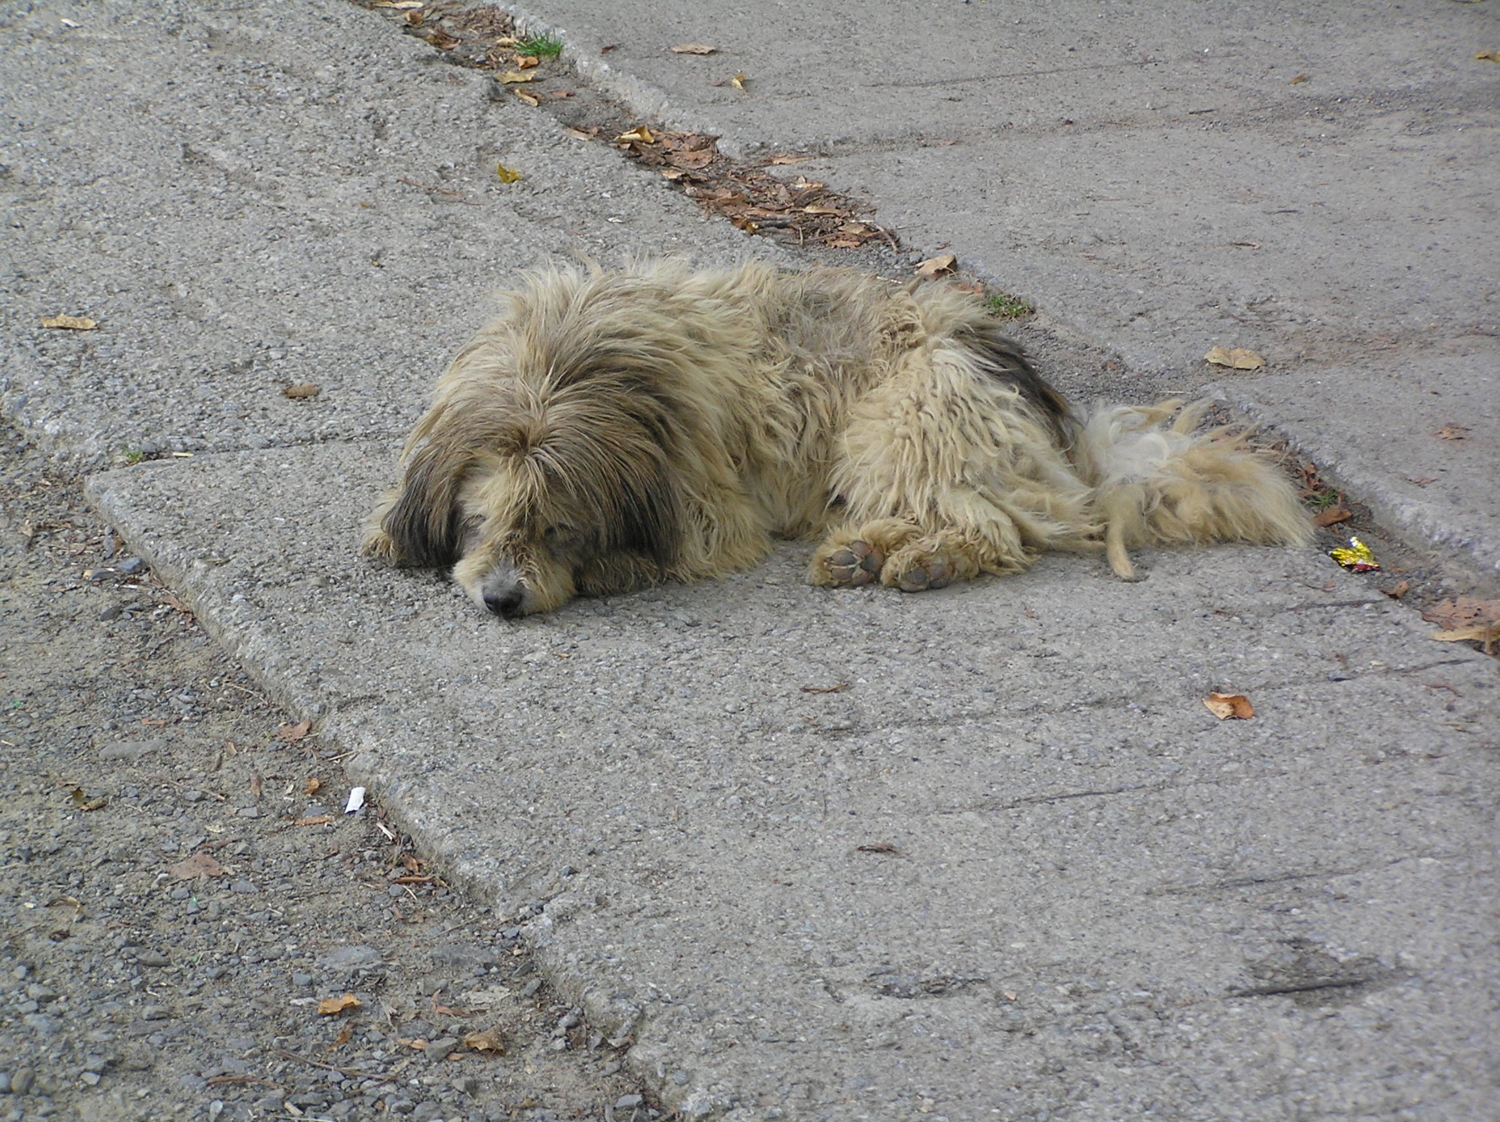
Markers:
{"x": 919, "y": 573}
{"x": 850, "y": 565}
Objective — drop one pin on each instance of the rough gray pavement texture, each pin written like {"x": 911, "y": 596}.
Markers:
{"x": 1311, "y": 181}
{"x": 264, "y": 195}
{"x": 975, "y": 853}
{"x": 980, "y": 853}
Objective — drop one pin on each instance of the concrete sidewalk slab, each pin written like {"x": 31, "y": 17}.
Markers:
{"x": 264, "y": 195}
{"x": 1312, "y": 182}
{"x": 844, "y": 855}
{"x": 836, "y": 855}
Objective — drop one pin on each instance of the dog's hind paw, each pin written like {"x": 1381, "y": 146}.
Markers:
{"x": 851, "y": 565}
{"x": 931, "y": 571}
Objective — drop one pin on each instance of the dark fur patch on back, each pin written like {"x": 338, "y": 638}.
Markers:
{"x": 1002, "y": 357}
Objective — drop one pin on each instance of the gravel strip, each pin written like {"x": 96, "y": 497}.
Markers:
{"x": 181, "y": 892}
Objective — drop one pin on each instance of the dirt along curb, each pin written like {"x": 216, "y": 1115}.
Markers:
{"x": 193, "y": 924}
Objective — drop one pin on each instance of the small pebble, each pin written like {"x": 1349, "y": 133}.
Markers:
{"x": 439, "y": 1048}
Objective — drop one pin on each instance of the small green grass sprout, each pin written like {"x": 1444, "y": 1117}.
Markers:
{"x": 540, "y": 46}
{"x": 1002, "y": 305}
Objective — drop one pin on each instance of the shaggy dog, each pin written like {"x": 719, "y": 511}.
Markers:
{"x": 615, "y": 429}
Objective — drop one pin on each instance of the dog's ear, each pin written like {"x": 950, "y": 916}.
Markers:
{"x": 650, "y": 516}
{"x": 422, "y": 523}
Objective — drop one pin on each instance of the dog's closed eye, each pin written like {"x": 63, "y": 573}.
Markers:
{"x": 562, "y": 535}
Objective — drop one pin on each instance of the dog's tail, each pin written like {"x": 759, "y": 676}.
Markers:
{"x": 1157, "y": 481}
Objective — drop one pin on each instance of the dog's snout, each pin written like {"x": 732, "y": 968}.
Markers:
{"x": 506, "y": 603}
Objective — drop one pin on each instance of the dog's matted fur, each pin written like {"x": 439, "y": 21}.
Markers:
{"x": 615, "y": 429}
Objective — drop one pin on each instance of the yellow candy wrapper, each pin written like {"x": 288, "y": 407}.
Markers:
{"x": 1358, "y": 557}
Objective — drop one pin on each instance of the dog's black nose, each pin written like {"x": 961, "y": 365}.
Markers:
{"x": 507, "y": 603}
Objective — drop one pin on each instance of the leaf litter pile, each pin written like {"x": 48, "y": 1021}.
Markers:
{"x": 752, "y": 198}
{"x": 797, "y": 210}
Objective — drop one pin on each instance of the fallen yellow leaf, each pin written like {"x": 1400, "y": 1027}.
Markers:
{"x": 1238, "y": 359}
{"x": 332, "y": 1006}
{"x": 529, "y": 98}
{"x": 510, "y": 77}
{"x": 70, "y": 323}
{"x": 739, "y": 80}
{"x": 1485, "y": 633}
{"x": 1229, "y": 706}
{"x": 488, "y": 1040}
{"x": 507, "y": 175}
{"x": 937, "y": 266}
{"x": 1487, "y": 56}
{"x": 693, "y": 49}
{"x": 640, "y": 134}
{"x": 302, "y": 389}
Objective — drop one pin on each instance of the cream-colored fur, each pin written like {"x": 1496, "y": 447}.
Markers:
{"x": 612, "y": 429}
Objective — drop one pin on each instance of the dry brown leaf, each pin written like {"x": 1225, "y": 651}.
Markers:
{"x": 527, "y": 62}
{"x": 198, "y": 865}
{"x": 312, "y": 785}
{"x": 937, "y": 266}
{"x": 1463, "y": 612}
{"x": 70, "y": 323}
{"x": 693, "y": 49}
{"x": 333, "y": 1006}
{"x": 1238, "y": 359}
{"x": 783, "y": 158}
{"x": 1398, "y": 590}
{"x": 1298, "y": 80}
{"x": 343, "y": 1037}
{"x": 1452, "y": 431}
{"x": 1229, "y": 706}
{"x": 487, "y": 1040}
{"x": 1331, "y": 515}
{"x": 301, "y": 390}
{"x": 529, "y": 98}
{"x": 691, "y": 158}
{"x": 293, "y": 733}
{"x": 580, "y": 134}
{"x": 638, "y": 135}
{"x": 1486, "y": 633}
{"x": 314, "y": 820}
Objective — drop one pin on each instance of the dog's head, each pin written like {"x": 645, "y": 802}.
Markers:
{"x": 537, "y": 479}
